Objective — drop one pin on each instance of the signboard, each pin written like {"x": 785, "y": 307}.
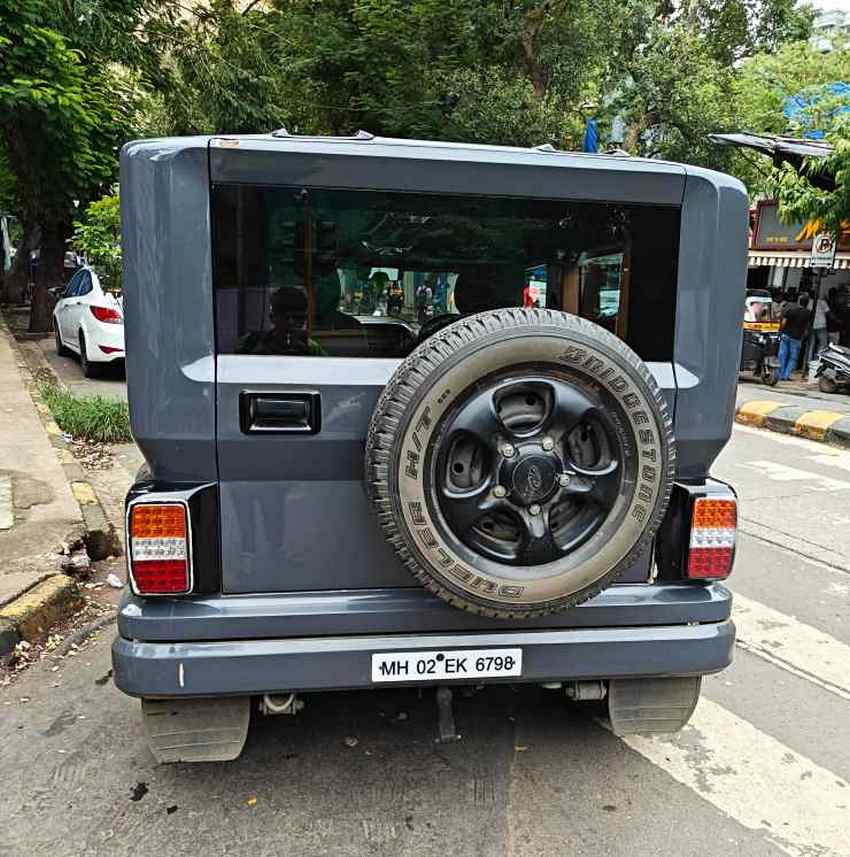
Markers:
{"x": 823, "y": 250}
{"x": 772, "y": 234}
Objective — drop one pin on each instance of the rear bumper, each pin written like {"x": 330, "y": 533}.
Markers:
{"x": 337, "y": 663}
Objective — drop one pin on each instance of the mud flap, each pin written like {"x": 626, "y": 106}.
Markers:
{"x": 651, "y": 705}
{"x": 196, "y": 730}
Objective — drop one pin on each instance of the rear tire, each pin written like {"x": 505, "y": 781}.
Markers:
{"x": 827, "y": 385}
{"x": 90, "y": 370}
{"x": 651, "y": 705}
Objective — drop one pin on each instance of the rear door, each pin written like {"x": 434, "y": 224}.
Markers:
{"x": 321, "y": 292}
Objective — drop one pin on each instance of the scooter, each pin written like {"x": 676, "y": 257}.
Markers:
{"x": 833, "y": 372}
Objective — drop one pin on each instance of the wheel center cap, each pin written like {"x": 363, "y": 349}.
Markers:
{"x": 533, "y": 478}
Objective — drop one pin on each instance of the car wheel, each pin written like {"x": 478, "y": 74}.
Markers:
{"x": 90, "y": 370}
{"x": 61, "y": 349}
{"x": 827, "y": 385}
{"x": 519, "y": 461}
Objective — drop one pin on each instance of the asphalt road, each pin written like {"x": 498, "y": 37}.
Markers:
{"x": 762, "y": 770}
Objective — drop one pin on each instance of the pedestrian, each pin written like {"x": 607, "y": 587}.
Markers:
{"x": 819, "y": 337}
{"x": 833, "y": 318}
{"x": 796, "y": 319}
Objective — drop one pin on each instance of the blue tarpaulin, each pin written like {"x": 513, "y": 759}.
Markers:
{"x": 591, "y": 137}
{"x": 796, "y": 106}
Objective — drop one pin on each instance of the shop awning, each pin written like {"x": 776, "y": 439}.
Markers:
{"x": 790, "y": 259}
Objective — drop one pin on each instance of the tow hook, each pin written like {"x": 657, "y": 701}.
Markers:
{"x": 585, "y": 691}
{"x": 281, "y": 703}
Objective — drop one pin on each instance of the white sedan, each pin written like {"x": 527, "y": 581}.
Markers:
{"x": 89, "y": 321}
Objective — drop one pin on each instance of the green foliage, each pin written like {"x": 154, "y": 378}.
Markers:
{"x": 803, "y": 198}
{"x": 91, "y": 418}
{"x": 98, "y": 237}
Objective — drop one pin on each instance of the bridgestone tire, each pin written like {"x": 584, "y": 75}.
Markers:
{"x": 442, "y": 373}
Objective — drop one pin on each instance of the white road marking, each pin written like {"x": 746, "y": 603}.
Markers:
{"x": 796, "y": 647}
{"x": 799, "y": 806}
{"x": 7, "y": 516}
{"x": 784, "y": 473}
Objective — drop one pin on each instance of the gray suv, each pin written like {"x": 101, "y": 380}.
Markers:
{"x": 423, "y": 413}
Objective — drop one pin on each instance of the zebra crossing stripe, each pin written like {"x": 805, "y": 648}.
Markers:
{"x": 792, "y": 645}
{"x": 797, "y": 805}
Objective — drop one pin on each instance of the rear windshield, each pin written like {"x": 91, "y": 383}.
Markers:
{"x": 345, "y": 273}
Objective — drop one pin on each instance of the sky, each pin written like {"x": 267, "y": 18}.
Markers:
{"x": 844, "y": 5}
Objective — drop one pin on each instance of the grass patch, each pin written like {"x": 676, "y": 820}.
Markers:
{"x": 91, "y": 418}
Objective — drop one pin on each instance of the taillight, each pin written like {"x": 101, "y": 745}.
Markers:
{"x": 108, "y": 349}
{"x": 158, "y": 544}
{"x": 712, "y": 549}
{"x": 106, "y": 313}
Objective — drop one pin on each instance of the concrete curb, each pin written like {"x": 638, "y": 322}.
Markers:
{"x": 822, "y": 425}
{"x": 38, "y": 608}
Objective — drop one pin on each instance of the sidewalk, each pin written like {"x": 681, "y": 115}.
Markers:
{"x": 39, "y": 516}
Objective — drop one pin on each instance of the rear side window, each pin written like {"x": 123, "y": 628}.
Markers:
{"x": 344, "y": 273}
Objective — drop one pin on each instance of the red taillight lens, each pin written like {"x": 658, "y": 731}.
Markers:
{"x": 713, "y": 527}
{"x": 158, "y": 538}
{"x": 106, "y": 313}
{"x": 107, "y": 349}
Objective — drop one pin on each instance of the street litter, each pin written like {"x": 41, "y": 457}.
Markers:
{"x": 114, "y": 581}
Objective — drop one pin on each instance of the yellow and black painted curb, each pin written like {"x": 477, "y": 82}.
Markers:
{"x": 826, "y": 426}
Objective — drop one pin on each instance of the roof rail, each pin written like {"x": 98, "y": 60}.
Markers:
{"x": 359, "y": 135}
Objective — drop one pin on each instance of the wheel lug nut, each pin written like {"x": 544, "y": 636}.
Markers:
{"x": 500, "y": 491}
{"x": 564, "y": 480}
{"x": 508, "y": 450}
{"x": 548, "y": 444}
{"x": 534, "y": 509}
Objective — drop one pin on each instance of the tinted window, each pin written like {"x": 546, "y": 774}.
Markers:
{"x": 73, "y": 285}
{"x": 369, "y": 273}
{"x": 85, "y": 284}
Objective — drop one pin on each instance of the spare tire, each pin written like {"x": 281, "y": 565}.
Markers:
{"x": 519, "y": 461}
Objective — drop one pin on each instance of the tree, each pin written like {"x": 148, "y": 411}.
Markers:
{"x": 67, "y": 102}
{"x": 679, "y": 82}
{"x": 98, "y": 237}
{"x": 820, "y": 192}
{"x": 47, "y": 122}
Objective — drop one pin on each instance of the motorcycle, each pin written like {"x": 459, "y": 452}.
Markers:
{"x": 833, "y": 371}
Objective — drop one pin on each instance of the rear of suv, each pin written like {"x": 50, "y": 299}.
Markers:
{"x": 423, "y": 413}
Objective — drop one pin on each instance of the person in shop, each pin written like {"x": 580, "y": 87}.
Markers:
{"x": 818, "y": 337}
{"x": 795, "y": 323}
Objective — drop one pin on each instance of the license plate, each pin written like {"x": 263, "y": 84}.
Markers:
{"x": 446, "y": 665}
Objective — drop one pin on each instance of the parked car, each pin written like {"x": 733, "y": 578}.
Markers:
{"x": 520, "y": 496}
{"x": 89, "y": 321}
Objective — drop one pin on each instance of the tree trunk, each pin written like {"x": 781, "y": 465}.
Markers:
{"x": 533, "y": 24}
{"x": 50, "y": 272}
{"x": 17, "y": 277}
